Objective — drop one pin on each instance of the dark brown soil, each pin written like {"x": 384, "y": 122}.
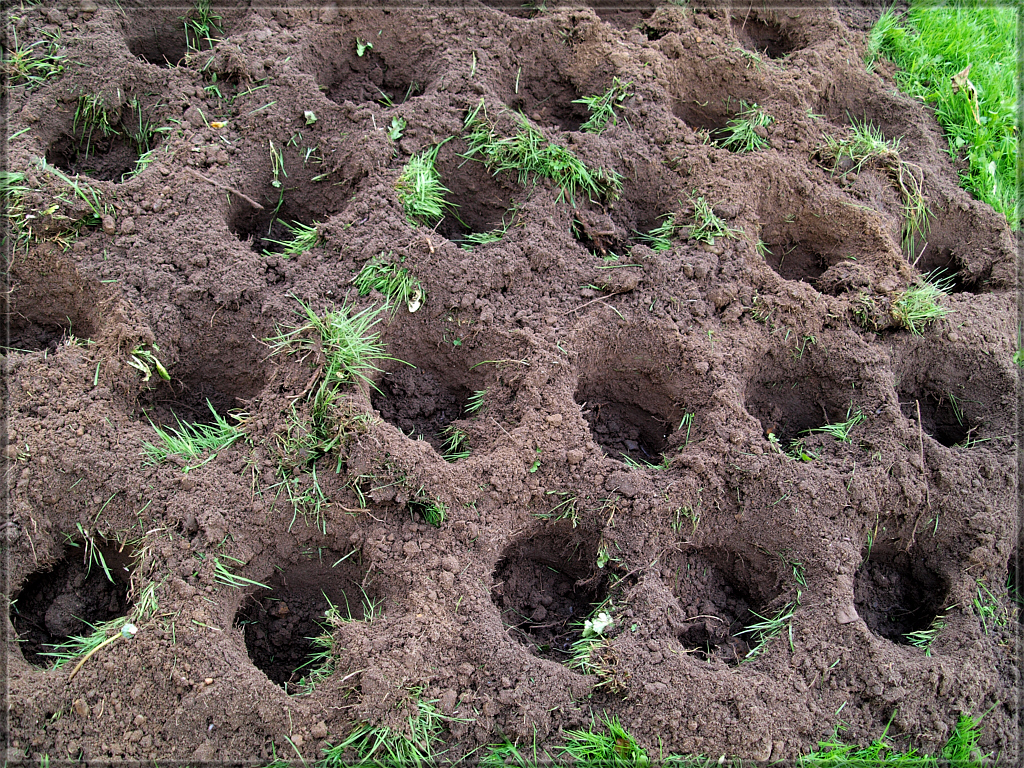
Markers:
{"x": 623, "y": 454}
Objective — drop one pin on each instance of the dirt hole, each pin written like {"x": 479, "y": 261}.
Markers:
{"x": 223, "y": 365}
{"x": 390, "y": 72}
{"x": 896, "y": 593}
{"x": 790, "y": 401}
{"x": 943, "y": 264}
{"x": 281, "y": 623}
{"x": 635, "y": 400}
{"x": 707, "y": 121}
{"x": 296, "y": 200}
{"x": 719, "y": 592}
{"x": 547, "y": 97}
{"x": 51, "y": 302}
{"x": 545, "y": 587}
{"x": 157, "y": 38}
{"x": 763, "y": 36}
{"x": 59, "y": 603}
{"x": 624, "y": 14}
{"x": 942, "y": 417}
{"x": 105, "y": 155}
{"x": 421, "y": 402}
{"x": 485, "y": 203}
{"x": 797, "y": 260}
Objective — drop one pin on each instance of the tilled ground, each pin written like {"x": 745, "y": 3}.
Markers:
{"x": 623, "y": 451}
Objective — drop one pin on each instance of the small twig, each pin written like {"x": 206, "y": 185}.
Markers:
{"x": 230, "y": 189}
{"x": 599, "y": 298}
{"x": 920, "y": 440}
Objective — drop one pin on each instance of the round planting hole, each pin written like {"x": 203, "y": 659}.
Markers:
{"x": 86, "y": 588}
{"x": 546, "y": 586}
{"x": 942, "y": 417}
{"x": 762, "y": 36}
{"x": 421, "y": 402}
{"x": 897, "y": 594}
{"x": 287, "y": 626}
{"x": 721, "y": 594}
{"x": 220, "y": 368}
{"x": 624, "y": 431}
{"x": 791, "y": 399}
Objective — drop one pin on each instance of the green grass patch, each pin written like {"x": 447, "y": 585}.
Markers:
{"x": 867, "y": 146}
{"x": 934, "y": 45}
{"x": 304, "y": 237}
{"x": 33, "y": 64}
{"x": 193, "y": 441}
{"x": 528, "y": 153}
{"x": 741, "y": 133}
{"x": 420, "y": 190}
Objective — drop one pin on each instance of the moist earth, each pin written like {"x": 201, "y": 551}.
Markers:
{"x": 625, "y": 452}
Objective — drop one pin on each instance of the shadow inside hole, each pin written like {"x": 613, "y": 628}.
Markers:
{"x": 546, "y": 586}
{"x": 223, "y": 365}
{"x": 297, "y": 200}
{"x": 796, "y": 261}
{"x": 53, "y": 302}
{"x": 789, "y": 406}
{"x": 164, "y": 44}
{"x": 895, "y": 593}
{"x": 941, "y": 264}
{"x": 484, "y": 203}
{"x": 420, "y": 402}
{"x": 624, "y": 14}
{"x": 719, "y": 594}
{"x": 63, "y": 602}
{"x": 761, "y": 36}
{"x": 942, "y": 418}
{"x": 280, "y": 624}
{"x": 548, "y": 100}
{"x": 624, "y": 431}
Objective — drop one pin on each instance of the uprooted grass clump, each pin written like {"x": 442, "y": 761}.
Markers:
{"x": 602, "y": 106}
{"x": 193, "y": 441}
{"x": 866, "y": 145}
{"x": 420, "y": 189}
{"x": 304, "y": 237}
{"x": 744, "y": 132}
{"x": 919, "y": 304}
{"x": 528, "y": 153}
{"x": 415, "y": 744}
{"x": 395, "y": 282}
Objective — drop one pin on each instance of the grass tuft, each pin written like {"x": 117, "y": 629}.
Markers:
{"x": 866, "y": 145}
{"x": 528, "y": 153}
{"x": 396, "y": 283}
{"x": 33, "y": 64}
{"x": 420, "y": 190}
{"x": 741, "y": 133}
{"x": 615, "y": 748}
{"x": 602, "y": 106}
{"x": 192, "y": 441}
{"x": 707, "y": 225}
{"x": 660, "y": 238}
{"x": 380, "y": 745}
{"x": 304, "y": 237}
{"x": 769, "y": 628}
{"x": 919, "y": 305}
{"x": 841, "y": 430}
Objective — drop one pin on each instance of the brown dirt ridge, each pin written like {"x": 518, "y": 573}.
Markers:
{"x": 624, "y": 408}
